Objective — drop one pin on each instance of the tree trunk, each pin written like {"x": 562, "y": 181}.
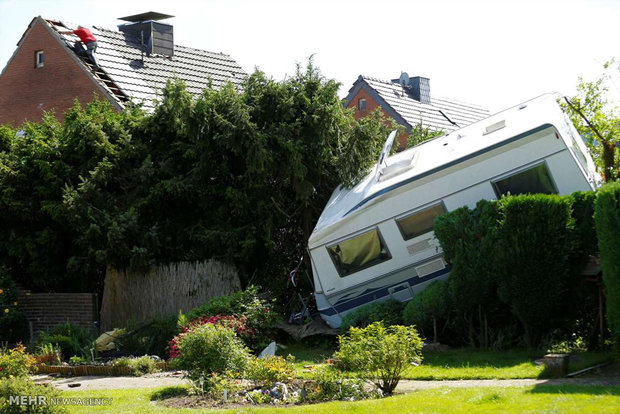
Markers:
{"x": 434, "y": 329}
{"x": 608, "y": 160}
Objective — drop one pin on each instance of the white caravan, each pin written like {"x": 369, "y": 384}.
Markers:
{"x": 375, "y": 241}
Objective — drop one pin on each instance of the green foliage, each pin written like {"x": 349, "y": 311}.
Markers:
{"x": 139, "y": 366}
{"x": 23, "y": 386}
{"x": 602, "y": 133}
{"x": 535, "y": 247}
{"x": 131, "y": 190}
{"x": 419, "y": 134}
{"x": 389, "y": 311}
{"x": 607, "y": 220}
{"x": 521, "y": 255}
{"x": 379, "y": 353}
{"x": 13, "y": 322}
{"x": 207, "y": 349}
{"x": 429, "y": 306}
{"x": 259, "y": 314}
{"x": 72, "y": 339}
{"x": 15, "y": 362}
{"x": 328, "y": 384}
{"x": 470, "y": 238}
{"x": 77, "y": 360}
{"x": 270, "y": 369}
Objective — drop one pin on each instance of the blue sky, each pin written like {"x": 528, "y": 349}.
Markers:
{"x": 492, "y": 53}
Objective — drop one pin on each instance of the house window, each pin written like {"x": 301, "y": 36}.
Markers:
{"x": 359, "y": 252}
{"x": 419, "y": 223}
{"x": 361, "y": 104}
{"x": 38, "y": 59}
{"x": 531, "y": 181}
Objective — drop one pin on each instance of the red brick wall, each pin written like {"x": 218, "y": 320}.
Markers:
{"x": 26, "y": 91}
{"x": 46, "y": 310}
{"x": 371, "y": 105}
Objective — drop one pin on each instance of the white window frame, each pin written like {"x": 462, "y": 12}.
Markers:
{"x": 38, "y": 59}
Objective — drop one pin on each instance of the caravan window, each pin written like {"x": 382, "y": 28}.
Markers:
{"x": 532, "y": 181}
{"x": 359, "y": 252}
{"x": 419, "y": 223}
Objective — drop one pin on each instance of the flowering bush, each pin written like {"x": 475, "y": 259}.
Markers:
{"x": 15, "y": 362}
{"x": 256, "y": 313}
{"x": 238, "y": 325}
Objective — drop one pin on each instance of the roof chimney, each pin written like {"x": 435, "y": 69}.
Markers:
{"x": 421, "y": 89}
{"x": 153, "y": 36}
{"x": 417, "y": 87}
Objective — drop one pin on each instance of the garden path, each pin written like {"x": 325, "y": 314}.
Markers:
{"x": 168, "y": 379}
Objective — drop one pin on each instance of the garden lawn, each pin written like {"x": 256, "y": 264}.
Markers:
{"x": 464, "y": 363}
{"x": 476, "y": 364}
{"x": 542, "y": 398}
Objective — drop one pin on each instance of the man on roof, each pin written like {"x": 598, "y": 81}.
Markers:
{"x": 89, "y": 40}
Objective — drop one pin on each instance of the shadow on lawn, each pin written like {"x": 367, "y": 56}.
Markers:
{"x": 576, "y": 389}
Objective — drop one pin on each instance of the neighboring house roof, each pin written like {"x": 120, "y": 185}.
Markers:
{"x": 130, "y": 75}
{"x": 400, "y": 104}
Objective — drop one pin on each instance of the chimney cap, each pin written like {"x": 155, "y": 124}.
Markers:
{"x": 145, "y": 16}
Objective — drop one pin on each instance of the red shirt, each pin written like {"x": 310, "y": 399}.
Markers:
{"x": 85, "y": 35}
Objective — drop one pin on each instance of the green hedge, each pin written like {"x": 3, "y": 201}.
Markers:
{"x": 516, "y": 267}
{"x": 607, "y": 220}
{"x": 534, "y": 248}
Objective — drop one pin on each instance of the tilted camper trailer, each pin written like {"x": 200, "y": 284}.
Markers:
{"x": 375, "y": 241}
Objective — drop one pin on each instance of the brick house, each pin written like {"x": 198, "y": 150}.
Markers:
{"x": 408, "y": 101}
{"x": 48, "y": 72}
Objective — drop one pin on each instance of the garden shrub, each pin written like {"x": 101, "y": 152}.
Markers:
{"x": 535, "y": 245}
{"x": 269, "y": 370}
{"x": 72, "y": 339}
{"x": 607, "y": 220}
{"x": 139, "y": 366}
{"x": 207, "y": 349}
{"x": 23, "y": 386}
{"x": 428, "y": 306}
{"x": 258, "y": 314}
{"x": 380, "y": 354}
{"x": 389, "y": 311}
{"x": 15, "y": 362}
{"x": 13, "y": 322}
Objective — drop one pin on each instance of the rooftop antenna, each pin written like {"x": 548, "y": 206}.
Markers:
{"x": 404, "y": 82}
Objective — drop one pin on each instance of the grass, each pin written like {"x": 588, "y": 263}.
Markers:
{"x": 543, "y": 398}
{"x": 477, "y": 364}
{"x": 464, "y": 363}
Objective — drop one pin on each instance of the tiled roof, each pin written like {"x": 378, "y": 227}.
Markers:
{"x": 140, "y": 78}
{"x": 414, "y": 112}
